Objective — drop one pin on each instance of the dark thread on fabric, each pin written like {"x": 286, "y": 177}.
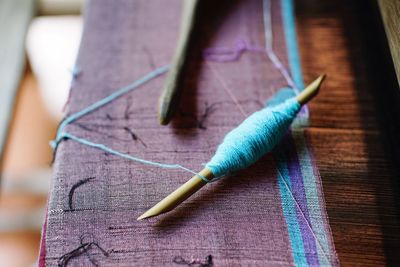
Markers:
{"x": 85, "y": 127}
{"x": 121, "y": 227}
{"x": 108, "y": 116}
{"x": 194, "y": 262}
{"x": 131, "y": 133}
{"x": 81, "y": 209}
{"x": 200, "y": 121}
{"x": 134, "y": 136}
{"x": 55, "y": 153}
{"x": 89, "y": 129}
{"x": 207, "y": 112}
{"x": 74, "y": 187}
{"x": 127, "y": 113}
{"x": 150, "y": 58}
{"x": 96, "y": 125}
{"x": 83, "y": 248}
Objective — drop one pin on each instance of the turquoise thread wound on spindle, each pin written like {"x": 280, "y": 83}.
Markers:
{"x": 253, "y": 138}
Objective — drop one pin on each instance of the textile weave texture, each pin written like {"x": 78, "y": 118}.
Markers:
{"x": 270, "y": 214}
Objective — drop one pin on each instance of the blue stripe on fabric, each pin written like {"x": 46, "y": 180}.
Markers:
{"x": 289, "y": 210}
{"x": 288, "y": 205}
{"x": 299, "y": 193}
{"x": 318, "y": 225}
{"x": 289, "y": 26}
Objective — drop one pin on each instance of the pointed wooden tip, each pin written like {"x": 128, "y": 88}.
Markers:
{"x": 179, "y": 195}
{"x": 163, "y": 114}
{"x": 167, "y": 105}
{"x": 169, "y": 99}
{"x": 311, "y": 90}
{"x": 146, "y": 215}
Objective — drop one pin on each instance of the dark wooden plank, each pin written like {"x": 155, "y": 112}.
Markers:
{"x": 355, "y": 126}
{"x": 360, "y": 196}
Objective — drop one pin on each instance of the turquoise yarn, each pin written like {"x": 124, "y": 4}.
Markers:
{"x": 253, "y": 138}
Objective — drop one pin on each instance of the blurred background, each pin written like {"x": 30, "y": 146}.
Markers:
{"x": 39, "y": 42}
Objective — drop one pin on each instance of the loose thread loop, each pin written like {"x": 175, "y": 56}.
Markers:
{"x": 80, "y": 250}
{"x": 153, "y": 74}
{"x": 194, "y": 262}
{"x": 228, "y": 54}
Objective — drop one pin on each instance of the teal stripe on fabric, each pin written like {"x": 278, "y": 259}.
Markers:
{"x": 288, "y": 205}
{"x": 289, "y": 26}
{"x": 289, "y": 211}
{"x": 313, "y": 204}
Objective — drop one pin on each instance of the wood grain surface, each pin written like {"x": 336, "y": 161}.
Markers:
{"x": 355, "y": 126}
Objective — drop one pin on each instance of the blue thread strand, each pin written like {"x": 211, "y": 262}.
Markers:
{"x": 289, "y": 30}
{"x": 126, "y": 156}
{"x": 253, "y": 138}
{"x": 289, "y": 26}
{"x": 157, "y": 72}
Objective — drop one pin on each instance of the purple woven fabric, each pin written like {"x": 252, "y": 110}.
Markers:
{"x": 248, "y": 219}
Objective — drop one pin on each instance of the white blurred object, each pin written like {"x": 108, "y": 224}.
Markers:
{"x": 60, "y": 7}
{"x": 31, "y": 220}
{"x": 33, "y": 182}
{"x": 52, "y": 46}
